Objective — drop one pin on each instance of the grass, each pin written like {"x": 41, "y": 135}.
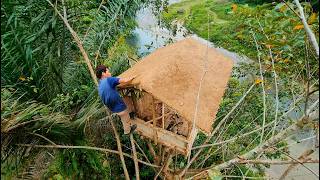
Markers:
{"x": 194, "y": 15}
{"x": 180, "y": 11}
{"x": 231, "y": 26}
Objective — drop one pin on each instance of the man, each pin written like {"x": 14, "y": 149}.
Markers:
{"x": 111, "y": 98}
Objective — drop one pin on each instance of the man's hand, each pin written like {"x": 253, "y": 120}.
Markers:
{"x": 126, "y": 80}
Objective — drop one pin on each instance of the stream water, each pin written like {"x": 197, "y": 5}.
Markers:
{"x": 150, "y": 35}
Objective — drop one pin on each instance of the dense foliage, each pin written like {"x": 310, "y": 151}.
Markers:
{"x": 234, "y": 25}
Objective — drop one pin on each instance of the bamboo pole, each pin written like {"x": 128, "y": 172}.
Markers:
{"x": 126, "y": 174}
{"x": 79, "y": 43}
{"x": 135, "y": 159}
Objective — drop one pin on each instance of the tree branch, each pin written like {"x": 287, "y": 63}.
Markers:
{"x": 309, "y": 32}
{"x": 79, "y": 43}
{"x": 301, "y": 158}
{"x": 87, "y": 147}
{"x": 276, "y": 162}
{"x": 262, "y": 86}
{"x": 261, "y": 148}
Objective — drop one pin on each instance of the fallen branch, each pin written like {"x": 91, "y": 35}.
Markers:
{"x": 300, "y": 162}
{"x": 87, "y": 147}
{"x": 261, "y": 148}
{"x": 262, "y": 86}
{"x": 276, "y": 162}
{"x": 301, "y": 158}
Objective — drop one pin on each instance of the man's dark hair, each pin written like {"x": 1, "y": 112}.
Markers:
{"x": 99, "y": 70}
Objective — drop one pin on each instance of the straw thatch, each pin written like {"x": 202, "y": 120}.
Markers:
{"x": 172, "y": 74}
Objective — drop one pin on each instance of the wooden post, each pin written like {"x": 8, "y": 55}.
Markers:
{"x": 191, "y": 138}
{"x": 153, "y": 153}
{"x": 154, "y": 121}
{"x": 162, "y": 122}
{"x": 165, "y": 164}
{"x": 162, "y": 116}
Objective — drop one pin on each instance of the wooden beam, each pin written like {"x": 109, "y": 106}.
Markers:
{"x": 164, "y": 137}
{"x": 156, "y": 119}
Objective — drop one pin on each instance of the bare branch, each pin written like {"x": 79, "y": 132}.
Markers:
{"x": 87, "y": 31}
{"x": 261, "y": 148}
{"x": 215, "y": 130}
{"x": 275, "y": 83}
{"x": 301, "y": 158}
{"x": 276, "y": 162}
{"x": 39, "y": 135}
{"x": 164, "y": 166}
{"x": 262, "y": 85}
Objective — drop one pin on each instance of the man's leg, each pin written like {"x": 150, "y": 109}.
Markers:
{"x": 130, "y": 107}
{"x": 125, "y": 119}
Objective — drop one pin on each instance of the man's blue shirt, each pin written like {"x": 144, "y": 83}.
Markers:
{"x": 109, "y": 95}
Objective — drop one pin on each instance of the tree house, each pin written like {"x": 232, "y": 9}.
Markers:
{"x": 165, "y": 90}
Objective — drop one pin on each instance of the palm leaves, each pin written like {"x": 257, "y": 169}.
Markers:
{"x": 29, "y": 48}
{"x": 42, "y": 69}
{"x": 36, "y": 45}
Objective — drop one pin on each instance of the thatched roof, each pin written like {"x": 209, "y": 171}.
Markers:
{"x": 172, "y": 74}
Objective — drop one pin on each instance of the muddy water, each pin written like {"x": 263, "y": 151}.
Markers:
{"x": 150, "y": 35}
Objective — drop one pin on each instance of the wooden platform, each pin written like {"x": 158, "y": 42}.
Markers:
{"x": 164, "y": 137}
